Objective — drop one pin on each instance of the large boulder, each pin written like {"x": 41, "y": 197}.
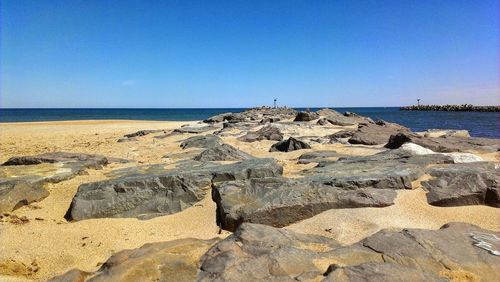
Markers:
{"x": 222, "y": 152}
{"x": 15, "y": 193}
{"x": 291, "y": 144}
{"x": 464, "y": 184}
{"x": 281, "y": 201}
{"x": 265, "y": 133}
{"x": 376, "y": 133}
{"x": 208, "y": 141}
{"x": 306, "y": 116}
{"x": 347, "y": 119}
{"x": 155, "y": 193}
{"x": 444, "y": 143}
{"x": 262, "y": 253}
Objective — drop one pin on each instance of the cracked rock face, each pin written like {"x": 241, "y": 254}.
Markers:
{"x": 280, "y": 201}
{"x": 464, "y": 184}
{"x": 155, "y": 192}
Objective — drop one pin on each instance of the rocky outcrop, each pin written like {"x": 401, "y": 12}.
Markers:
{"x": 291, "y": 144}
{"x": 464, "y": 184}
{"x": 306, "y": 116}
{"x": 177, "y": 260}
{"x": 376, "y": 133}
{"x": 256, "y": 252}
{"x": 207, "y": 141}
{"x": 254, "y": 115}
{"x": 280, "y": 201}
{"x": 222, "y": 152}
{"x": 155, "y": 193}
{"x": 16, "y": 193}
{"x": 445, "y": 143}
{"x": 265, "y": 133}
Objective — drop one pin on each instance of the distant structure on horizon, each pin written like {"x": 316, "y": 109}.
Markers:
{"x": 275, "y": 106}
{"x": 451, "y": 108}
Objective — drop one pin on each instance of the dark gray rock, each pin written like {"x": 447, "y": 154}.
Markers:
{"x": 222, "y": 117}
{"x": 207, "y": 141}
{"x": 262, "y": 253}
{"x": 265, "y": 133}
{"x": 195, "y": 129}
{"x": 155, "y": 192}
{"x": 291, "y": 144}
{"x": 464, "y": 184}
{"x": 306, "y": 116}
{"x": 222, "y": 152}
{"x": 270, "y": 119}
{"x": 85, "y": 160}
{"x": 322, "y": 121}
{"x": 444, "y": 143}
{"x": 125, "y": 139}
{"x": 318, "y": 156}
{"x": 142, "y": 133}
{"x": 347, "y": 119}
{"x": 375, "y": 134}
{"x": 280, "y": 201}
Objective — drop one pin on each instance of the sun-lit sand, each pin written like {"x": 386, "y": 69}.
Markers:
{"x": 47, "y": 245}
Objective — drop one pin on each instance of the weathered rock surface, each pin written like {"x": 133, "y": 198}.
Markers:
{"x": 444, "y": 143}
{"x": 195, "y": 129}
{"x": 142, "y": 133}
{"x": 208, "y": 141}
{"x": 22, "y": 179}
{"x": 16, "y": 193}
{"x": 376, "y": 133}
{"x": 464, "y": 184}
{"x": 155, "y": 193}
{"x": 265, "y": 133}
{"x": 270, "y": 119}
{"x": 280, "y": 201}
{"x": 177, "y": 260}
{"x": 291, "y": 144}
{"x": 254, "y": 252}
{"x": 318, "y": 156}
{"x": 346, "y": 119}
{"x": 222, "y": 152}
{"x": 254, "y": 114}
{"x": 262, "y": 253}
{"x": 306, "y": 116}
{"x": 85, "y": 160}
{"x": 392, "y": 169}
{"x": 444, "y": 132}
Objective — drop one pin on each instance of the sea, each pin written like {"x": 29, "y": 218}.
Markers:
{"x": 479, "y": 124}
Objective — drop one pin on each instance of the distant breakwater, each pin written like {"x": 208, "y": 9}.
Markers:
{"x": 452, "y": 108}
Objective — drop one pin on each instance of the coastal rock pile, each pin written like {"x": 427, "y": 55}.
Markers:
{"x": 444, "y": 143}
{"x": 265, "y": 133}
{"x": 452, "y": 108}
{"x": 261, "y": 253}
{"x": 150, "y": 194}
{"x": 291, "y": 144}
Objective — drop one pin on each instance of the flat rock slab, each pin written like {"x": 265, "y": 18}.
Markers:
{"x": 280, "y": 201}
{"x": 142, "y": 133}
{"x": 262, "y": 253}
{"x": 265, "y": 133}
{"x": 85, "y": 160}
{"x": 224, "y": 152}
{"x": 318, "y": 156}
{"x": 151, "y": 191}
{"x": 291, "y": 144}
{"x": 464, "y": 184}
{"x": 22, "y": 179}
{"x": 195, "y": 129}
{"x": 376, "y": 133}
{"x": 207, "y": 141}
{"x": 445, "y": 143}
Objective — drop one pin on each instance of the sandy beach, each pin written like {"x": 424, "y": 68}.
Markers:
{"x": 46, "y": 244}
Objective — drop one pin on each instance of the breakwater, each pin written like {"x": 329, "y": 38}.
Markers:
{"x": 452, "y": 108}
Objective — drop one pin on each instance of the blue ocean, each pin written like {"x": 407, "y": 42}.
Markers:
{"x": 479, "y": 124}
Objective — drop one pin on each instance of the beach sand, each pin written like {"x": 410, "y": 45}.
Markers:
{"x": 47, "y": 245}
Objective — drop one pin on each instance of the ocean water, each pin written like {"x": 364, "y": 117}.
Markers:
{"x": 477, "y": 123}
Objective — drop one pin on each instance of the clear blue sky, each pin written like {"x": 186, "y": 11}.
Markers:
{"x": 245, "y": 53}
